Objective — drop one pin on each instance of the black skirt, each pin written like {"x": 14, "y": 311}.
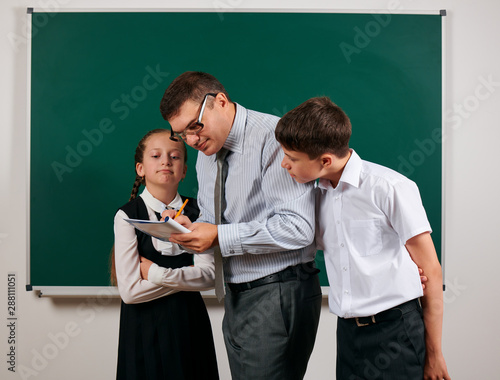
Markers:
{"x": 168, "y": 338}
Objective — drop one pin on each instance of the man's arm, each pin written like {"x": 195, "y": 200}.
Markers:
{"x": 279, "y": 218}
{"x": 282, "y": 212}
{"x": 423, "y": 253}
{"x": 203, "y": 237}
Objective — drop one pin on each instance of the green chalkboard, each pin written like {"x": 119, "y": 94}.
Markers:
{"x": 97, "y": 79}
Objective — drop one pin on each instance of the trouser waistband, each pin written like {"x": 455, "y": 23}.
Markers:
{"x": 387, "y": 315}
{"x": 297, "y": 272}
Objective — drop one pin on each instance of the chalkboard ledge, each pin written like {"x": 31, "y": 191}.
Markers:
{"x": 76, "y": 291}
{"x": 103, "y": 291}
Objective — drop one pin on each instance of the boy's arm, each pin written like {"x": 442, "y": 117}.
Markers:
{"x": 423, "y": 253}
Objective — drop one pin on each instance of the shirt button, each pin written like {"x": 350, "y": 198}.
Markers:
{"x": 342, "y": 244}
{"x": 346, "y": 291}
{"x": 338, "y": 221}
{"x": 344, "y": 269}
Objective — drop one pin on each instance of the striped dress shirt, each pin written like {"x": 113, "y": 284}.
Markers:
{"x": 269, "y": 216}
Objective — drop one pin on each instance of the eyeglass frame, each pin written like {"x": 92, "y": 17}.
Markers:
{"x": 189, "y": 131}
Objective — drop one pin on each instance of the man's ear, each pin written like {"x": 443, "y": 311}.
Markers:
{"x": 221, "y": 99}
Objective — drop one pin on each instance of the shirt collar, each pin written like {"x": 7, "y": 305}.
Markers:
{"x": 158, "y": 206}
{"x": 236, "y": 138}
{"x": 350, "y": 174}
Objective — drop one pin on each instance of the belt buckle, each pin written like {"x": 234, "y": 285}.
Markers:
{"x": 365, "y": 324}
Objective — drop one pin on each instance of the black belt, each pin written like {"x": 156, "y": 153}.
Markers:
{"x": 388, "y": 315}
{"x": 297, "y": 272}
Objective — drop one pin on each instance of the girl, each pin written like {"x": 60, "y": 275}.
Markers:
{"x": 165, "y": 332}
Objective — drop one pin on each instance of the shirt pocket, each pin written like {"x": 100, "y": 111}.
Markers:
{"x": 366, "y": 236}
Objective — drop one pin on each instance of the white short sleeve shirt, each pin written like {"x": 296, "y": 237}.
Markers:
{"x": 362, "y": 227}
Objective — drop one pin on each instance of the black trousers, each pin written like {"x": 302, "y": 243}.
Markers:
{"x": 270, "y": 330}
{"x": 391, "y": 348}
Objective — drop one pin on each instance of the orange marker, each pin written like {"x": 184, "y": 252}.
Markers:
{"x": 182, "y": 208}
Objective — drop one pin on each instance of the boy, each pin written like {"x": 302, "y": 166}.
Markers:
{"x": 374, "y": 232}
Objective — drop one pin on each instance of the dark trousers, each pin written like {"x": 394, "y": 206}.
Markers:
{"x": 270, "y": 330}
{"x": 391, "y": 348}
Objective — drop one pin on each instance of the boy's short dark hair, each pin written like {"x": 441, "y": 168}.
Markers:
{"x": 315, "y": 127}
{"x": 189, "y": 85}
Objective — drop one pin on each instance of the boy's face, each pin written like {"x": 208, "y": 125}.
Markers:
{"x": 300, "y": 167}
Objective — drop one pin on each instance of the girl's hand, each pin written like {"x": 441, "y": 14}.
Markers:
{"x": 169, "y": 213}
{"x": 145, "y": 264}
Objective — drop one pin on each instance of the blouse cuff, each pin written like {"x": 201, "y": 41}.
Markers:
{"x": 155, "y": 274}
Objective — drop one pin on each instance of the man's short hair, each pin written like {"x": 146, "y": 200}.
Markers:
{"x": 315, "y": 127}
{"x": 189, "y": 85}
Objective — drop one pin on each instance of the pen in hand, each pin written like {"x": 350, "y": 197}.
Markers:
{"x": 182, "y": 208}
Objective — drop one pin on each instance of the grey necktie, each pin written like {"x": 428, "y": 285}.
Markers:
{"x": 219, "y": 207}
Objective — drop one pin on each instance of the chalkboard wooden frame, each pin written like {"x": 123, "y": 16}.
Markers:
{"x": 361, "y": 47}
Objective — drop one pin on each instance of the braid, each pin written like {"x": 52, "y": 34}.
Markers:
{"x": 135, "y": 189}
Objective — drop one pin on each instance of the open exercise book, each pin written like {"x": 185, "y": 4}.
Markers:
{"x": 157, "y": 229}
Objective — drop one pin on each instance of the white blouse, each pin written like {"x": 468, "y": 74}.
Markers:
{"x": 162, "y": 281}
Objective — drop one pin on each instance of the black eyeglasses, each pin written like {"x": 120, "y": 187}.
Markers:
{"x": 194, "y": 128}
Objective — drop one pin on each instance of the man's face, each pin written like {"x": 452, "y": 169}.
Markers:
{"x": 210, "y": 139}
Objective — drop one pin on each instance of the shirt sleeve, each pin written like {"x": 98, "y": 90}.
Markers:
{"x": 201, "y": 276}
{"x": 132, "y": 288}
{"x": 406, "y": 211}
{"x": 289, "y": 224}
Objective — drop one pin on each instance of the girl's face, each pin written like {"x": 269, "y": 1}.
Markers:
{"x": 163, "y": 161}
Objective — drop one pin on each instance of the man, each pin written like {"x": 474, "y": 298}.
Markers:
{"x": 273, "y": 303}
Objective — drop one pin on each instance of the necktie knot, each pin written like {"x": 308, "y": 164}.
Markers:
{"x": 221, "y": 154}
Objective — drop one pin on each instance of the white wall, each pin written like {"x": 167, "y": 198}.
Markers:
{"x": 77, "y": 338}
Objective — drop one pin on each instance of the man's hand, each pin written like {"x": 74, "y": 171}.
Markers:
{"x": 202, "y": 237}
{"x": 145, "y": 264}
{"x": 423, "y": 279}
{"x": 184, "y": 221}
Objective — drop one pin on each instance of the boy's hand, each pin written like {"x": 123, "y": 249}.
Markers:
{"x": 435, "y": 368}
{"x": 422, "y": 251}
{"x": 202, "y": 237}
{"x": 145, "y": 264}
